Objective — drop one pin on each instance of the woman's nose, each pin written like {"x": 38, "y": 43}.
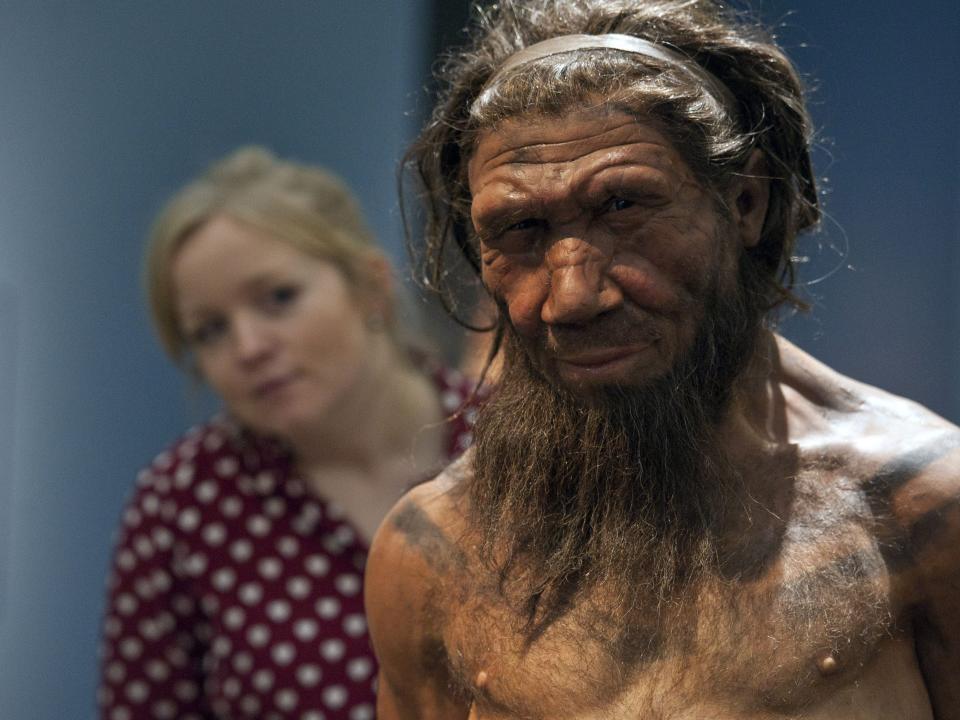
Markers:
{"x": 252, "y": 340}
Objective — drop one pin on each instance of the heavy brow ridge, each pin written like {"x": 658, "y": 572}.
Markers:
{"x": 423, "y": 535}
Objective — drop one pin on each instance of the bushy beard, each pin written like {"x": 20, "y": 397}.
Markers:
{"x": 621, "y": 488}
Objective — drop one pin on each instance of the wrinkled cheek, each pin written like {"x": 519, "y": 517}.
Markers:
{"x": 523, "y": 299}
{"x": 521, "y": 290}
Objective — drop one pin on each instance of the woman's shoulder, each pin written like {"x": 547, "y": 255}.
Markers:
{"x": 217, "y": 449}
{"x": 461, "y": 399}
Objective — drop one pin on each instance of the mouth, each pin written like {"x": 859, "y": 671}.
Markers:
{"x": 601, "y": 365}
{"x": 273, "y": 386}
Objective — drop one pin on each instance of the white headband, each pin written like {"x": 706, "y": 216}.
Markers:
{"x": 625, "y": 43}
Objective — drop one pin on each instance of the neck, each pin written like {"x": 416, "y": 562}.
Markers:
{"x": 761, "y": 451}
{"x": 381, "y": 420}
{"x": 782, "y": 398}
{"x": 755, "y": 417}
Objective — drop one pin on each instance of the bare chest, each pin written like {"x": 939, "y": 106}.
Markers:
{"x": 818, "y": 623}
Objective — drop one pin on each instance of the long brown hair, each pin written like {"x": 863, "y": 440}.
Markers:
{"x": 770, "y": 115}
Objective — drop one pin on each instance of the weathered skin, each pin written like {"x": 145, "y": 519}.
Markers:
{"x": 839, "y": 590}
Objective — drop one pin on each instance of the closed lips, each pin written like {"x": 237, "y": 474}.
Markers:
{"x": 269, "y": 386}
{"x": 602, "y": 356}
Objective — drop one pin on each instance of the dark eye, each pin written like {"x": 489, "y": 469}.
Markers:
{"x": 615, "y": 204}
{"x": 207, "y": 332}
{"x": 526, "y": 224}
{"x": 281, "y": 296}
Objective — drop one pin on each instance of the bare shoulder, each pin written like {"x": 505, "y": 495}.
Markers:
{"x": 915, "y": 470}
{"x": 906, "y": 457}
{"x": 421, "y": 532}
{"x": 416, "y": 562}
{"x": 914, "y": 479}
{"x": 905, "y": 463}
{"x": 917, "y": 484}
{"x": 911, "y": 472}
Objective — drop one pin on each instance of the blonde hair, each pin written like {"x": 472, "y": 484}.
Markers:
{"x": 307, "y": 207}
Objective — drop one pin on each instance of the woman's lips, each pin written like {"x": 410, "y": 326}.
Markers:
{"x": 271, "y": 387}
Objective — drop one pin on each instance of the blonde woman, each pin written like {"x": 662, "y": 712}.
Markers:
{"x": 236, "y": 589}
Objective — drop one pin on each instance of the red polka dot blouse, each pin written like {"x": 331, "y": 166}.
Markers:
{"x": 235, "y": 592}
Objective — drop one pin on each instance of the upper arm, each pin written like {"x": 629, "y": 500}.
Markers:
{"x": 411, "y": 561}
{"x": 147, "y": 668}
{"x": 938, "y": 625}
{"x": 927, "y": 507}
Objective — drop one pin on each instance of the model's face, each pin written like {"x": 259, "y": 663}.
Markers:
{"x": 276, "y": 333}
{"x": 600, "y": 243}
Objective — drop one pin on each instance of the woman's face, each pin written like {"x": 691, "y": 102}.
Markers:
{"x": 277, "y": 333}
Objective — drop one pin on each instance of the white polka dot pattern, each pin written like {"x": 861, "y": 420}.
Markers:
{"x": 235, "y": 593}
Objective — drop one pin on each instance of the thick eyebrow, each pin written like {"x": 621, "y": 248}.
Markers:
{"x": 624, "y": 166}
{"x": 624, "y": 175}
{"x": 267, "y": 276}
{"x": 630, "y": 179}
{"x": 494, "y": 220}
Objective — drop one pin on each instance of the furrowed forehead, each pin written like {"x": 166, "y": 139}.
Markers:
{"x": 584, "y": 130}
{"x": 511, "y": 120}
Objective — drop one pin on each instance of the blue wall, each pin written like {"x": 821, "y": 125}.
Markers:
{"x": 107, "y": 107}
{"x": 886, "y": 100}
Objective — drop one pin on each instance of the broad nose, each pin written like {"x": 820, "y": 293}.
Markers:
{"x": 251, "y": 339}
{"x": 580, "y": 288}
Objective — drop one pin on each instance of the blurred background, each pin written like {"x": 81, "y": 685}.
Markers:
{"x": 106, "y": 107}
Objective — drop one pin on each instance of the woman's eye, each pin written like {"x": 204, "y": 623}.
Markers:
{"x": 207, "y": 333}
{"x": 282, "y": 295}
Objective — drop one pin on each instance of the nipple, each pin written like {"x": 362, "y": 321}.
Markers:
{"x": 827, "y": 664}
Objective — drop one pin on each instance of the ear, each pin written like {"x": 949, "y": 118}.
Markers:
{"x": 748, "y": 198}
